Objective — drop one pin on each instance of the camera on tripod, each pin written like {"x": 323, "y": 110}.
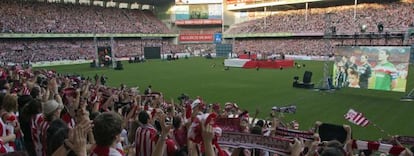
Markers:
{"x": 285, "y": 109}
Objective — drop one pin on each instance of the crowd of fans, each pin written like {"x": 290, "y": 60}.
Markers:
{"x": 397, "y": 16}
{"x": 20, "y": 51}
{"x": 38, "y": 17}
{"x": 38, "y": 50}
{"x": 46, "y": 113}
{"x": 305, "y": 46}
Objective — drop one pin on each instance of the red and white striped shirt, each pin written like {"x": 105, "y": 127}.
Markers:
{"x": 35, "y": 129}
{"x": 3, "y": 148}
{"x": 145, "y": 140}
{"x": 10, "y": 121}
{"x": 25, "y": 89}
{"x": 43, "y": 136}
{"x": 69, "y": 120}
{"x": 106, "y": 151}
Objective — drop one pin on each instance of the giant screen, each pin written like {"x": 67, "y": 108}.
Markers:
{"x": 371, "y": 67}
{"x": 198, "y": 14}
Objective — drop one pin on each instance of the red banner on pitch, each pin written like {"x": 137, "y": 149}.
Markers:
{"x": 196, "y": 37}
{"x": 199, "y": 22}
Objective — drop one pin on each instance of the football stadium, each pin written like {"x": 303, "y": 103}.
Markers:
{"x": 206, "y": 77}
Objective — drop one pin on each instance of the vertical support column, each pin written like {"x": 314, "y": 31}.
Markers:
{"x": 142, "y": 46}
{"x": 328, "y": 24}
{"x": 233, "y": 47}
{"x": 95, "y": 41}
{"x": 407, "y": 35}
{"x": 355, "y": 9}
{"x": 265, "y": 18}
{"x": 129, "y": 5}
{"x": 324, "y": 84}
{"x": 162, "y": 49}
{"x": 113, "y": 51}
{"x": 222, "y": 16}
{"x": 306, "y": 11}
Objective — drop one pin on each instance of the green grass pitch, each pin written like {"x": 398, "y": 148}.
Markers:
{"x": 266, "y": 88}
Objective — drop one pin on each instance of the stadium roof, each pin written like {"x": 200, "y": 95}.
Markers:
{"x": 292, "y": 5}
{"x": 275, "y": 5}
{"x": 150, "y": 2}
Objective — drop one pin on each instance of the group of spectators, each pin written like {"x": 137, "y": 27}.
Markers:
{"x": 396, "y": 16}
{"x": 304, "y": 46}
{"x": 38, "y": 50}
{"x": 47, "y": 113}
{"x": 39, "y": 17}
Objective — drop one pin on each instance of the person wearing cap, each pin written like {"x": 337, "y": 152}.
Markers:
{"x": 51, "y": 111}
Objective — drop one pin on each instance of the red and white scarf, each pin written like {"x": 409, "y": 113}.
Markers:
{"x": 376, "y": 146}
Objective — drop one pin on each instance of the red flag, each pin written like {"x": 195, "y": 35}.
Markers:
{"x": 356, "y": 118}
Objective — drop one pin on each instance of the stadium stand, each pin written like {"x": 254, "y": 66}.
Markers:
{"x": 37, "y": 50}
{"x": 304, "y": 46}
{"x": 38, "y": 17}
{"x": 121, "y": 116}
{"x": 341, "y": 17}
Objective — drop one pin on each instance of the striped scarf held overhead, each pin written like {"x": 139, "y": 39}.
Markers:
{"x": 376, "y": 146}
{"x": 291, "y": 133}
